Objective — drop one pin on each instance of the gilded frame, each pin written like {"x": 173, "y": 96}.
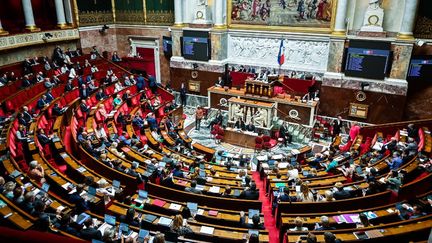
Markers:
{"x": 280, "y": 28}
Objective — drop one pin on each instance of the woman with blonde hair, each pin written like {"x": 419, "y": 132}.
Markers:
{"x": 179, "y": 226}
{"x": 305, "y": 195}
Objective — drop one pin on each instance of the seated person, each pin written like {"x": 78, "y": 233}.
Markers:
{"x": 240, "y": 124}
{"x": 340, "y": 192}
{"x": 90, "y": 231}
{"x": 219, "y": 82}
{"x": 250, "y": 127}
{"x": 299, "y": 225}
{"x": 36, "y": 172}
{"x": 395, "y": 162}
{"x": 256, "y": 222}
{"x": 250, "y": 194}
{"x": 325, "y": 224}
{"x": 43, "y": 138}
{"x": 75, "y": 198}
{"x": 192, "y": 188}
{"x": 42, "y": 102}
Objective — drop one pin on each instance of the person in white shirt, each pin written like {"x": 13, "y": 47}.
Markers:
{"x": 305, "y": 195}
{"x": 114, "y": 78}
{"x": 72, "y": 73}
{"x": 101, "y": 133}
{"x": 292, "y": 173}
{"x": 118, "y": 86}
{"x": 94, "y": 69}
{"x": 156, "y": 135}
{"x": 64, "y": 69}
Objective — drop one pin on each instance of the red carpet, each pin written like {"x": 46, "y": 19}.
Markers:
{"x": 269, "y": 220}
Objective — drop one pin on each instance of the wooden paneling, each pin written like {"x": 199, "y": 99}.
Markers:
{"x": 215, "y": 98}
{"x": 207, "y": 79}
{"x": 383, "y": 108}
{"x": 303, "y": 113}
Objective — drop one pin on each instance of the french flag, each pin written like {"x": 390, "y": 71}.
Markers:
{"x": 281, "y": 54}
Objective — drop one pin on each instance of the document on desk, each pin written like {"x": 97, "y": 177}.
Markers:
{"x": 164, "y": 221}
{"x": 214, "y": 189}
{"x": 175, "y": 206}
{"x": 207, "y": 230}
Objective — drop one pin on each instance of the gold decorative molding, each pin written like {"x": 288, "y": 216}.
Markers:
{"x": 113, "y": 10}
{"x": 160, "y": 18}
{"x": 28, "y": 39}
{"x": 129, "y": 17}
{"x": 90, "y": 18}
{"x": 75, "y": 12}
{"x": 401, "y": 36}
{"x": 32, "y": 28}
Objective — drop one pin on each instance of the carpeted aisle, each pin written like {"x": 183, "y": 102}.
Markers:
{"x": 269, "y": 220}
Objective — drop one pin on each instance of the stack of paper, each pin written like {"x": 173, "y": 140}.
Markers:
{"x": 200, "y": 211}
{"x": 374, "y": 233}
{"x": 213, "y": 213}
{"x": 199, "y": 187}
{"x": 207, "y": 230}
{"x": 174, "y": 206}
{"x": 214, "y": 189}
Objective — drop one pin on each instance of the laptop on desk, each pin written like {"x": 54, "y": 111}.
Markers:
{"x": 251, "y": 213}
{"x": 193, "y": 207}
{"x": 109, "y": 221}
{"x": 142, "y": 196}
{"x": 124, "y": 230}
{"x": 116, "y": 185}
{"x": 91, "y": 193}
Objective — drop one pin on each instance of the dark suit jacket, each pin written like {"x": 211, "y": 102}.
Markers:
{"x": 27, "y": 117}
{"x": 84, "y": 95}
{"x": 80, "y": 204}
{"x": 41, "y": 104}
{"x": 341, "y": 194}
{"x": 91, "y": 233}
{"x": 68, "y": 87}
{"x": 43, "y": 139}
{"x": 84, "y": 108}
{"x": 249, "y": 195}
{"x": 336, "y": 127}
{"x": 100, "y": 96}
{"x": 243, "y": 223}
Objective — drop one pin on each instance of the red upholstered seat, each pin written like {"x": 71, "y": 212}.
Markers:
{"x": 259, "y": 143}
{"x": 266, "y": 142}
{"x": 421, "y": 140}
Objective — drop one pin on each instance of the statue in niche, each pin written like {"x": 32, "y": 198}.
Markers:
{"x": 374, "y": 17}
{"x": 259, "y": 117}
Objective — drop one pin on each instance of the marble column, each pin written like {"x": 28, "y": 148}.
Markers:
{"x": 218, "y": 19}
{"x": 178, "y": 12}
{"x": 340, "y": 21}
{"x": 408, "y": 19}
{"x": 2, "y": 31}
{"x": 61, "y": 20}
{"x": 28, "y": 15}
{"x": 68, "y": 11}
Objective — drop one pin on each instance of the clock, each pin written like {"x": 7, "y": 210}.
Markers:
{"x": 360, "y": 96}
{"x": 199, "y": 14}
{"x": 373, "y": 20}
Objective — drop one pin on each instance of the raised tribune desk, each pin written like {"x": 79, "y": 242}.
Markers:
{"x": 287, "y": 105}
{"x": 239, "y": 138}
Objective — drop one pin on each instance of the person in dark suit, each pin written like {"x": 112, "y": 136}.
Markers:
{"x": 43, "y": 138}
{"x": 192, "y": 188}
{"x": 69, "y": 86}
{"x": 26, "y": 115}
{"x": 177, "y": 172}
{"x": 183, "y": 93}
{"x": 84, "y": 92}
{"x": 115, "y": 57}
{"x": 42, "y": 102}
{"x": 90, "y": 232}
{"x": 100, "y": 95}
{"x": 84, "y": 107}
{"x": 127, "y": 98}
{"x": 130, "y": 218}
{"x": 81, "y": 205}
{"x": 341, "y": 193}
{"x": 57, "y": 110}
{"x": 219, "y": 82}
{"x": 250, "y": 194}
{"x": 256, "y": 222}
{"x": 152, "y": 84}
{"x": 283, "y": 133}
{"x": 337, "y": 126}
{"x": 26, "y": 82}
{"x": 325, "y": 224}
{"x": 412, "y": 131}
{"x": 240, "y": 124}
{"x": 140, "y": 82}
{"x": 49, "y": 96}
{"x": 250, "y": 127}
{"x": 28, "y": 203}
{"x": 22, "y": 121}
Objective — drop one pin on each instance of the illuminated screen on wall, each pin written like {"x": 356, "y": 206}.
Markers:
{"x": 367, "y": 59}
{"x": 167, "y": 45}
{"x": 420, "y": 68}
{"x": 196, "y": 45}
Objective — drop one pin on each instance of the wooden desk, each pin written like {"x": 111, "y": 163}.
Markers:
{"x": 239, "y": 138}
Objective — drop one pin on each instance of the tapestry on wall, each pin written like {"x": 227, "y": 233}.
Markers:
{"x": 295, "y": 13}
{"x": 423, "y": 27}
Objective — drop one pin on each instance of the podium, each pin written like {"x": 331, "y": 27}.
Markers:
{"x": 261, "y": 87}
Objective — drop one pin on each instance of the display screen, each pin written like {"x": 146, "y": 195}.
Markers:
{"x": 367, "y": 59}
{"x": 167, "y": 45}
{"x": 196, "y": 45}
{"x": 420, "y": 68}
